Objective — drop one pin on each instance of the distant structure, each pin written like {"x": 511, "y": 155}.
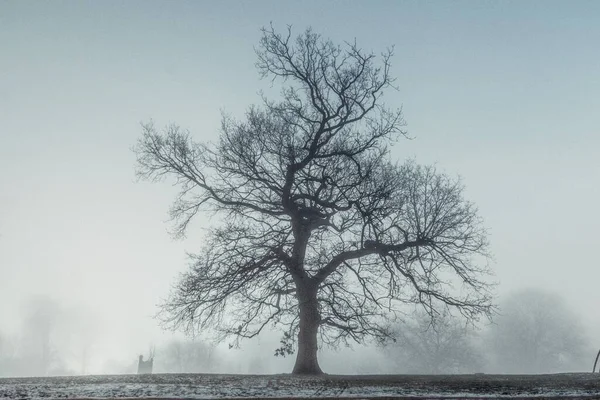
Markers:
{"x": 145, "y": 367}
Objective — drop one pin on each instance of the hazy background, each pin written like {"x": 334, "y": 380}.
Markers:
{"x": 505, "y": 94}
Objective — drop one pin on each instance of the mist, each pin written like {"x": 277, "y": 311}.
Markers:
{"x": 535, "y": 332}
{"x": 504, "y": 96}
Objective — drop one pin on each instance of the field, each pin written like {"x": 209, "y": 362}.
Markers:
{"x": 206, "y": 386}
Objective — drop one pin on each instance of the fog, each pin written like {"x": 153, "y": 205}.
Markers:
{"x": 536, "y": 333}
{"x": 504, "y": 95}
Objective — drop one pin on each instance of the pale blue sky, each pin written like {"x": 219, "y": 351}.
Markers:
{"x": 505, "y": 94}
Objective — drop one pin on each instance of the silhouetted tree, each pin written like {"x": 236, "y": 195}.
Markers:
{"x": 435, "y": 345}
{"x": 321, "y": 233}
{"x": 536, "y": 333}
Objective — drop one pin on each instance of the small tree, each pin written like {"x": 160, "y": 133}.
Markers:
{"x": 536, "y": 333}
{"x": 442, "y": 344}
{"x": 322, "y": 234}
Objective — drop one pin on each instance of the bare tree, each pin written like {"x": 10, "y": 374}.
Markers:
{"x": 7, "y": 354}
{"x": 537, "y": 333}
{"x": 442, "y": 344}
{"x": 39, "y": 329}
{"x": 321, "y": 233}
{"x": 54, "y": 339}
{"x": 186, "y": 356}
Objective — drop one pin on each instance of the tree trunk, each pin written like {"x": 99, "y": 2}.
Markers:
{"x": 306, "y": 358}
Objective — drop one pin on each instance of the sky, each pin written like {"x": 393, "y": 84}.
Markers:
{"x": 504, "y": 94}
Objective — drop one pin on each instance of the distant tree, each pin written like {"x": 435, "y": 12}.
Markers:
{"x": 321, "y": 233}
{"x": 7, "y": 354}
{"x": 42, "y": 319}
{"x": 442, "y": 344}
{"x": 53, "y": 339}
{"x": 77, "y": 334}
{"x": 3, "y": 345}
{"x": 536, "y": 333}
{"x": 186, "y": 357}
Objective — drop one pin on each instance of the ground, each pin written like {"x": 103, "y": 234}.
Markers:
{"x": 206, "y": 386}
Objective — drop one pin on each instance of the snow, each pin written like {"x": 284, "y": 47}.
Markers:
{"x": 205, "y": 386}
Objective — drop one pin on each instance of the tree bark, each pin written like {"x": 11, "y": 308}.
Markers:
{"x": 306, "y": 357}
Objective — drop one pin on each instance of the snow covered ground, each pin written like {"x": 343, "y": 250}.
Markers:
{"x": 196, "y": 386}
